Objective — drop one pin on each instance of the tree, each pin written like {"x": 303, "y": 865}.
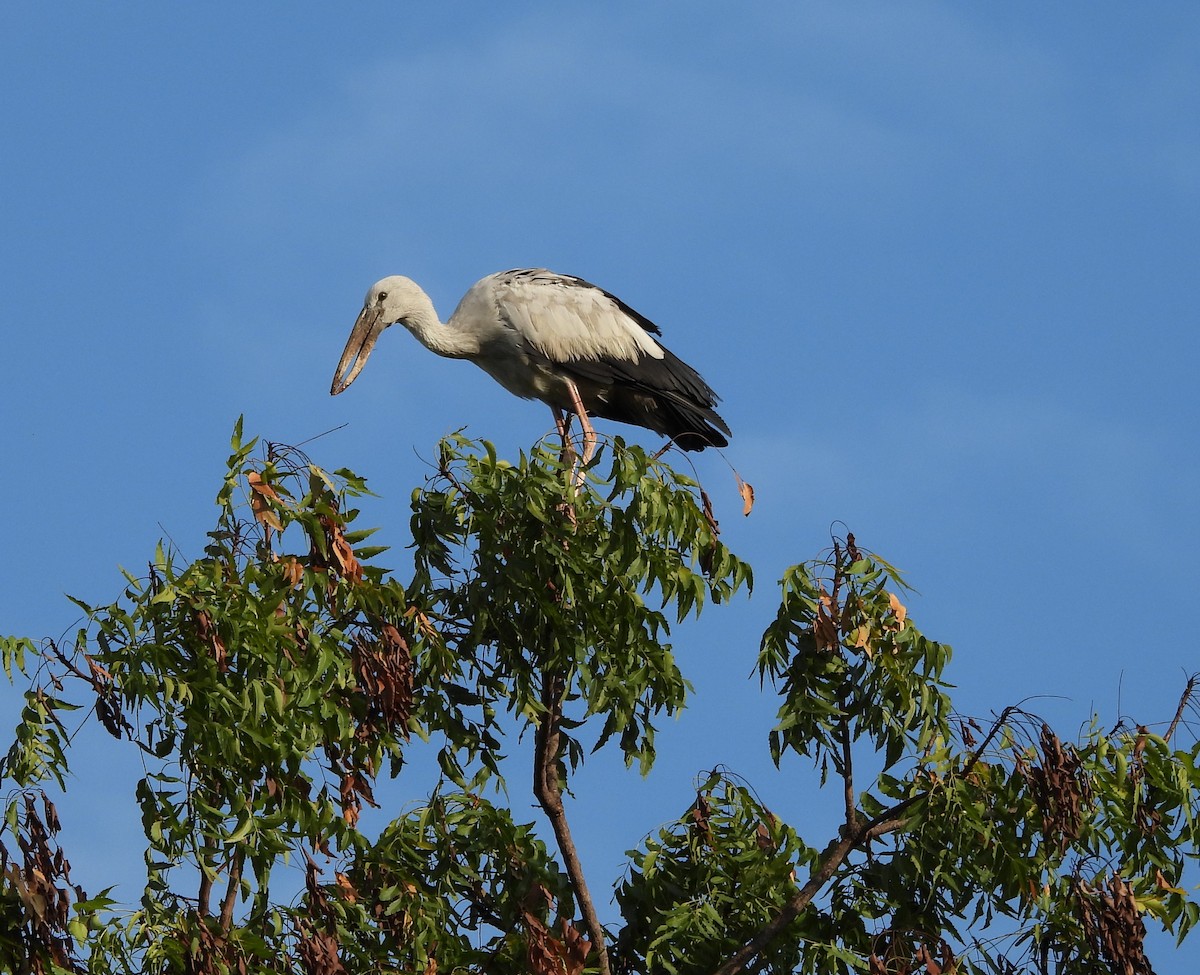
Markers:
{"x": 271, "y": 683}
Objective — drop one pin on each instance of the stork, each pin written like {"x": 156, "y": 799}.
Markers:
{"x": 556, "y": 338}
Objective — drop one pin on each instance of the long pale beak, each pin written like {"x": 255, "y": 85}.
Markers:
{"x": 358, "y": 347}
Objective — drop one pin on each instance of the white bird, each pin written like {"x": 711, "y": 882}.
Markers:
{"x": 556, "y": 338}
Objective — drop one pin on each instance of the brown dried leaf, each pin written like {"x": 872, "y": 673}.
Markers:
{"x": 852, "y": 552}
{"x": 1164, "y": 884}
{"x": 541, "y": 957}
{"x": 383, "y": 672}
{"x": 28, "y": 892}
{"x": 345, "y": 887}
{"x": 98, "y": 673}
{"x": 860, "y": 638}
{"x": 1139, "y": 745}
{"x": 706, "y": 505}
{"x": 261, "y": 487}
{"x": 700, "y": 815}
{"x": 50, "y": 814}
{"x": 318, "y": 953}
{"x": 316, "y": 893}
{"x": 354, "y": 789}
{"x": 897, "y": 609}
{"x": 1114, "y": 925}
{"x": 574, "y": 948}
{"x": 762, "y": 837}
{"x": 825, "y": 629}
{"x": 548, "y": 955}
{"x": 260, "y": 492}
{"x": 424, "y": 627}
{"x": 293, "y": 571}
{"x": 341, "y": 553}
{"x": 923, "y": 956}
{"x": 211, "y": 639}
{"x": 746, "y": 490}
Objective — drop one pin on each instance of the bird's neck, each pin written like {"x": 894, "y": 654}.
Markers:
{"x": 435, "y": 335}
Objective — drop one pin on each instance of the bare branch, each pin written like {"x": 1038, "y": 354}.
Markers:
{"x": 999, "y": 723}
{"x": 1183, "y": 703}
{"x": 846, "y": 761}
{"x": 231, "y": 889}
{"x": 63, "y": 659}
{"x": 847, "y": 767}
{"x": 205, "y": 893}
{"x": 547, "y": 789}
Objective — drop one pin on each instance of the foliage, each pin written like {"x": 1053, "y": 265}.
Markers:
{"x": 708, "y": 882}
{"x": 270, "y": 684}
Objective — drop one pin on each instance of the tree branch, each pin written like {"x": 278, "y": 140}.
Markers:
{"x": 231, "y": 889}
{"x": 205, "y": 894}
{"x": 835, "y": 854}
{"x": 547, "y": 789}
{"x": 846, "y": 762}
{"x": 999, "y": 723}
{"x": 847, "y": 765}
{"x": 1183, "y": 702}
{"x": 854, "y": 836}
{"x": 206, "y": 884}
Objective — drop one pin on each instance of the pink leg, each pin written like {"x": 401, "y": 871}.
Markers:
{"x": 589, "y": 433}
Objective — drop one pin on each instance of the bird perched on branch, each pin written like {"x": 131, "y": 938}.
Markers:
{"x": 553, "y": 337}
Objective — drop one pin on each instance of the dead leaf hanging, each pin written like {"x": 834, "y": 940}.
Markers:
{"x": 260, "y": 492}
{"x": 746, "y": 490}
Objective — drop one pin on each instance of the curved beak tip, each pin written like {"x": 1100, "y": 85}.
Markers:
{"x": 358, "y": 348}
{"x": 342, "y": 378}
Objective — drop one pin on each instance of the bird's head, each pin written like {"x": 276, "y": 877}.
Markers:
{"x": 389, "y": 301}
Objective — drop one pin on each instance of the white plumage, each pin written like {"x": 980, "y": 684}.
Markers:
{"x": 555, "y": 338}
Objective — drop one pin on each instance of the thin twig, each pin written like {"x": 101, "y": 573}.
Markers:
{"x": 71, "y": 666}
{"x": 999, "y": 723}
{"x": 1183, "y": 702}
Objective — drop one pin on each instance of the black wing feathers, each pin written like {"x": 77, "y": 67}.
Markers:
{"x": 665, "y": 395}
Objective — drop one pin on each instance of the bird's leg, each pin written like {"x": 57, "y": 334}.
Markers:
{"x": 589, "y": 432}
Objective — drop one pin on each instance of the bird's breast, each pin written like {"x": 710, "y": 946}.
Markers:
{"x": 532, "y": 376}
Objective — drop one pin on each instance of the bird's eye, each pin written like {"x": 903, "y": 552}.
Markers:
{"x": 381, "y": 296}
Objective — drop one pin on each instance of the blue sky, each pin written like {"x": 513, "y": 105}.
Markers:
{"x": 940, "y": 261}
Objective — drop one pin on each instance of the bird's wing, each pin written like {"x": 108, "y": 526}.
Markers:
{"x": 567, "y": 319}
